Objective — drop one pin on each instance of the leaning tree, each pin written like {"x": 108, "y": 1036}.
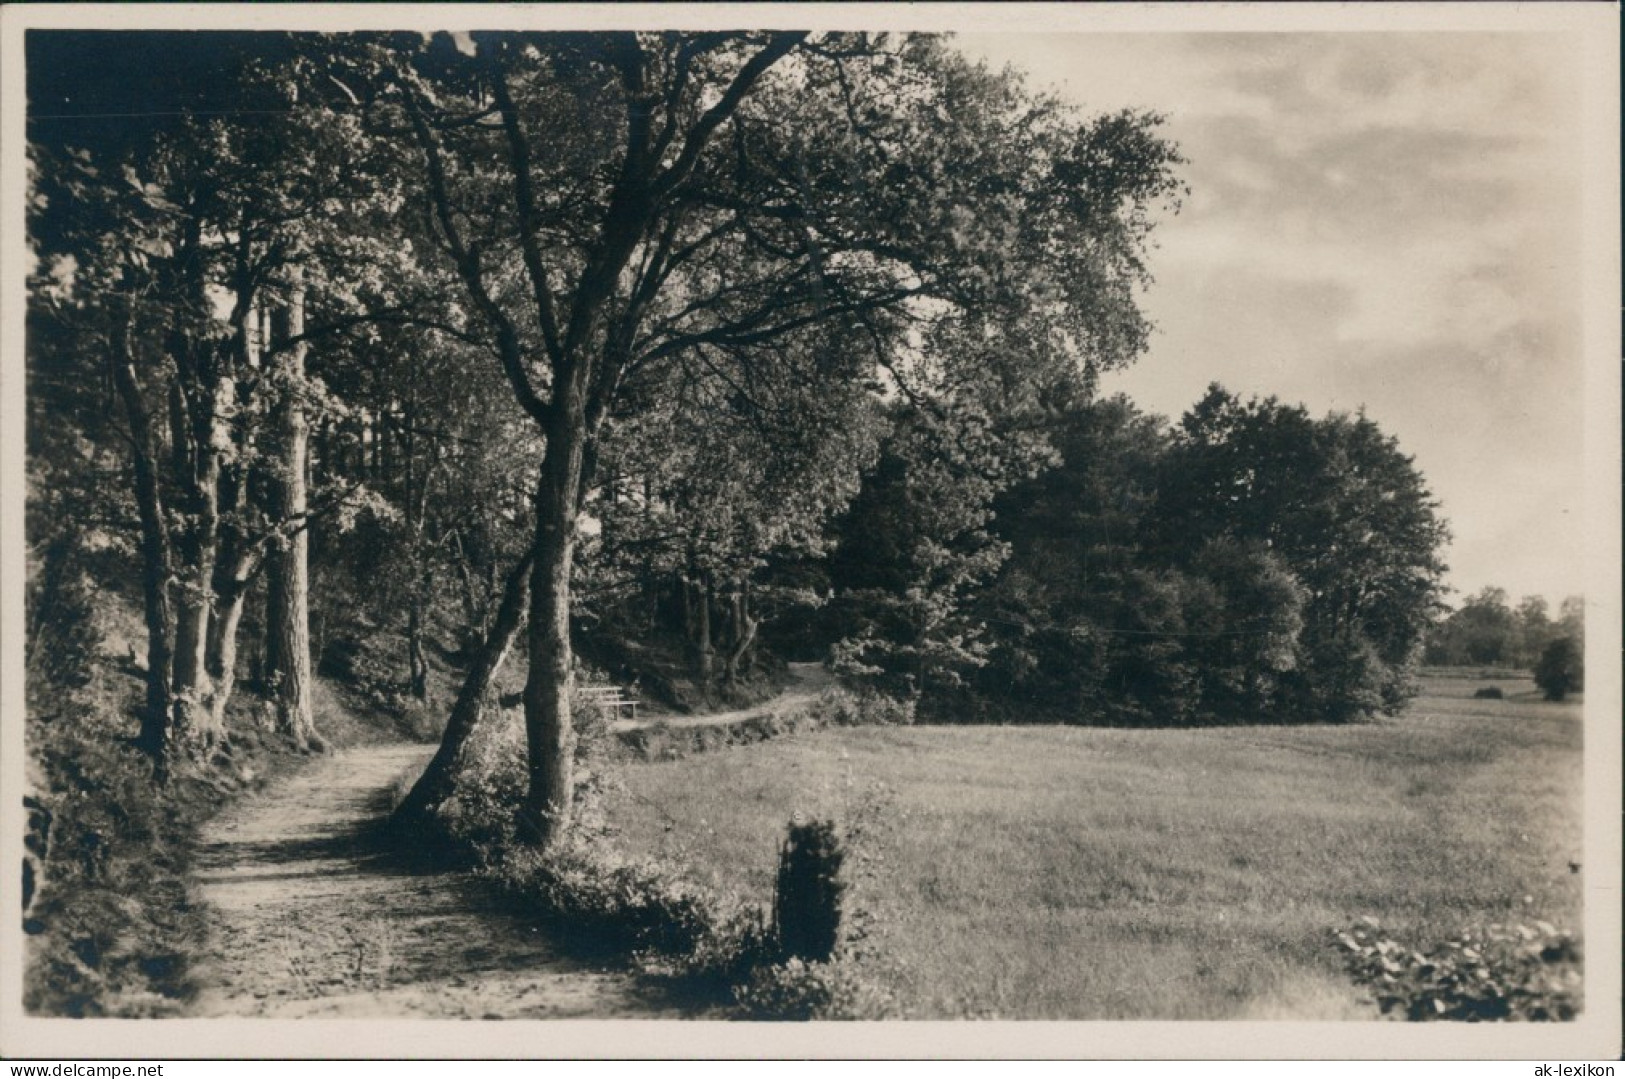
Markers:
{"x": 615, "y": 203}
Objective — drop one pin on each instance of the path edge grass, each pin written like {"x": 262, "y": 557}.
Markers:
{"x": 713, "y": 955}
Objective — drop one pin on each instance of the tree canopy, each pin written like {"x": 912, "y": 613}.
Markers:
{"x": 732, "y": 344}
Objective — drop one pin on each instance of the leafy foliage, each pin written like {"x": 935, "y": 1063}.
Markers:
{"x": 1561, "y": 669}
{"x": 799, "y": 990}
{"x": 1253, "y": 564}
{"x": 807, "y": 896}
{"x": 1516, "y": 972}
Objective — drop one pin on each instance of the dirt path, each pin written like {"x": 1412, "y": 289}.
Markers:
{"x": 808, "y": 680}
{"x": 310, "y": 917}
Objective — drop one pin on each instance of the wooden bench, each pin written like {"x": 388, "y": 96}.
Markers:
{"x": 613, "y": 697}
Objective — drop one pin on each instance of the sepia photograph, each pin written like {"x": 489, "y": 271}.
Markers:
{"x": 795, "y": 527}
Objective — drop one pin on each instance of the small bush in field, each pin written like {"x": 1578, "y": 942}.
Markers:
{"x": 807, "y": 900}
{"x": 1489, "y": 693}
{"x": 1561, "y": 669}
{"x": 1528, "y": 972}
{"x": 717, "y": 950}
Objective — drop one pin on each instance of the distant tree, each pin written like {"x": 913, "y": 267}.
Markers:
{"x": 1571, "y": 617}
{"x": 914, "y": 548}
{"x": 1486, "y": 627}
{"x": 1075, "y": 531}
{"x": 1345, "y": 512}
{"x": 1561, "y": 669}
{"x": 1089, "y": 621}
{"x": 711, "y": 481}
{"x": 1485, "y": 631}
{"x": 1251, "y": 643}
{"x": 1533, "y": 630}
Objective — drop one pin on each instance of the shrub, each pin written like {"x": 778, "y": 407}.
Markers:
{"x": 710, "y": 950}
{"x": 1488, "y": 693}
{"x": 1561, "y": 669}
{"x": 1342, "y": 680}
{"x": 1528, "y": 972}
{"x": 807, "y": 897}
{"x": 799, "y": 990}
{"x": 110, "y": 928}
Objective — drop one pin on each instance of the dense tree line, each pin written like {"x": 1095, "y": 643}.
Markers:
{"x": 715, "y": 346}
{"x": 1250, "y": 562}
{"x": 1487, "y": 631}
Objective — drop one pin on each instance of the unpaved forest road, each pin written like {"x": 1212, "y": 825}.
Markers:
{"x": 807, "y": 682}
{"x": 308, "y": 916}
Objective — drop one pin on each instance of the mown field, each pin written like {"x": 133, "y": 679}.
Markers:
{"x": 1048, "y": 873}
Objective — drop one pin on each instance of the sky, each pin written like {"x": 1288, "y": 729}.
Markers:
{"x": 1387, "y": 221}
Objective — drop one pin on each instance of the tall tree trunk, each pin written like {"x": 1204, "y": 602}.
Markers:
{"x": 273, "y": 632}
{"x": 417, "y": 662}
{"x": 434, "y": 786}
{"x": 417, "y": 512}
{"x": 234, "y": 561}
{"x": 223, "y": 651}
{"x": 231, "y": 597}
{"x": 290, "y": 614}
{"x": 475, "y": 609}
{"x": 155, "y": 554}
{"x": 193, "y": 723}
{"x": 549, "y": 737}
{"x": 744, "y": 632}
{"x": 705, "y": 651}
{"x": 685, "y": 595}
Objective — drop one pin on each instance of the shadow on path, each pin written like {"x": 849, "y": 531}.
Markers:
{"x": 312, "y": 913}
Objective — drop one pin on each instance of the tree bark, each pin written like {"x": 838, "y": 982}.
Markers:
{"x": 417, "y": 662}
{"x": 550, "y": 740}
{"x": 153, "y": 737}
{"x": 434, "y": 786}
{"x": 192, "y": 725}
{"x": 417, "y": 514}
{"x": 223, "y": 650}
{"x": 201, "y": 400}
{"x": 744, "y": 633}
{"x": 705, "y": 652}
{"x": 290, "y": 616}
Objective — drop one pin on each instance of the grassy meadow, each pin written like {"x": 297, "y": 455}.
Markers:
{"x": 1081, "y": 873}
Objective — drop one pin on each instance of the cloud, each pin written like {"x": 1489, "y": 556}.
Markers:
{"x": 1386, "y": 220}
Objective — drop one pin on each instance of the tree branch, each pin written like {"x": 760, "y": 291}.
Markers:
{"x": 468, "y": 266}
{"x": 525, "y": 199}
{"x": 778, "y": 46}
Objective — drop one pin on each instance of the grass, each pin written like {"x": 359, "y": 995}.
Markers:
{"x": 1050, "y": 873}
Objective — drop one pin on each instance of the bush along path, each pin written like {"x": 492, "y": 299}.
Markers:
{"x": 310, "y": 914}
